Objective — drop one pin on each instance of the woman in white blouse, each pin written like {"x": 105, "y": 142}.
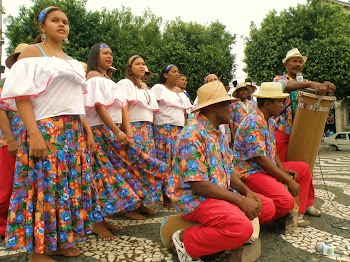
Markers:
{"x": 171, "y": 117}
{"x": 52, "y": 193}
{"x": 137, "y": 118}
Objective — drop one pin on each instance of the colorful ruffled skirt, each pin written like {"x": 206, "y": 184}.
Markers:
{"x": 51, "y": 197}
{"x": 165, "y": 137}
{"x": 144, "y": 174}
{"x": 112, "y": 193}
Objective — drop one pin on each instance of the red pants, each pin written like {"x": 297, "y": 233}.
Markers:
{"x": 7, "y": 168}
{"x": 282, "y": 141}
{"x": 224, "y": 226}
{"x": 269, "y": 187}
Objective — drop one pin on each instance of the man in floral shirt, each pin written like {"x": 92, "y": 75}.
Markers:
{"x": 294, "y": 63}
{"x": 10, "y": 130}
{"x": 257, "y": 163}
{"x": 200, "y": 183}
{"x": 242, "y": 108}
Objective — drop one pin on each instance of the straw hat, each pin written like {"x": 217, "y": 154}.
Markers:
{"x": 251, "y": 85}
{"x": 271, "y": 90}
{"x": 241, "y": 85}
{"x": 211, "y": 93}
{"x": 293, "y": 53}
{"x": 148, "y": 72}
{"x": 14, "y": 56}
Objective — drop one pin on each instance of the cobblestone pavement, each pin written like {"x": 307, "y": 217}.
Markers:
{"x": 140, "y": 241}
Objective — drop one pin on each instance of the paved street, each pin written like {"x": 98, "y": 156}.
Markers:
{"x": 140, "y": 241}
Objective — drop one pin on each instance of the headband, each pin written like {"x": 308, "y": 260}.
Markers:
{"x": 131, "y": 59}
{"x": 43, "y": 13}
{"x": 206, "y": 78}
{"x": 168, "y": 67}
{"x": 103, "y": 45}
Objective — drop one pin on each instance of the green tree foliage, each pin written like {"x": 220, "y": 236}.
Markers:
{"x": 196, "y": 49}
{"x": 321, "y": 31}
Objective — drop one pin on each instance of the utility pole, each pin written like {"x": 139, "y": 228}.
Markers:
{"x": 2, "y": 11}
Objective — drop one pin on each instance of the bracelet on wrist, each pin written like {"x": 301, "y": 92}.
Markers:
{"x": 131, "y": 137}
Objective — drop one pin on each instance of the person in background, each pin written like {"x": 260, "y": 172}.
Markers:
{"x": 10, "y": 129}
{"x": 147, "y": 75}
{"x": 171, "y": 117}
{"x": 182, "y": 83}
{"x": 241, "y": 108}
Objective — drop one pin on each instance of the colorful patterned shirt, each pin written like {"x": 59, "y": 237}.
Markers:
{"x": 254, "y": 137}
{"x": 284, "y": 122}
{"x": 239, "y": 111}
{"x": 202, "y": 154}
{"x": 15, "y": 120}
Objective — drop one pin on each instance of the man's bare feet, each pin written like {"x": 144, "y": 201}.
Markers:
{"x": 101, "y": 230}
{"x": 146, "y": 210}
{"x": 67, "y": 252}
{"x": 134, "y": 214}
{"x": 111, "y": 226}
{"x": 35, "y": 257}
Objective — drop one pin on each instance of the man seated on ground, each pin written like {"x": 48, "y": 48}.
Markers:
{"x": 199, "y": 185}
{"x": 257, "y": 163}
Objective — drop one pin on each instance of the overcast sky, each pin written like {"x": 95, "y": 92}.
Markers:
{"x": 236, "y": 15}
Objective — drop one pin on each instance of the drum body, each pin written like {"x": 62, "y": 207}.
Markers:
{"x": 308, "y": 127}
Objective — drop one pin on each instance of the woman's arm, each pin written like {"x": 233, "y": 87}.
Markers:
{"x": 5, "y": 126}
{"x": 90, "y": 141}
{"x": 126, "y": 124}
{"x": 37, "y": 145}
{"x": 106, "y": 118}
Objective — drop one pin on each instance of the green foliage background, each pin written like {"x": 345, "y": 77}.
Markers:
{"x": 321, "y": 31}
{"x": 196, "y": 49}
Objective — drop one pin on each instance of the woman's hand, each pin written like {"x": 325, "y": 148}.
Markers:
{"x": 90, "y": 143}
{"x": 37, "y": 146}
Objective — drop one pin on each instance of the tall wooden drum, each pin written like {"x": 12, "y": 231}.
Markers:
{"x": 308, "y": 127}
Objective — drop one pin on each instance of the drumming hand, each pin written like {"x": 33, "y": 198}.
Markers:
{"x": 293, "y": 187}
{"x": 321, "y": 89}
{"x": 37, "y": 146}
{"x": 250, "y": 207}
{"x": 330, "y": 87}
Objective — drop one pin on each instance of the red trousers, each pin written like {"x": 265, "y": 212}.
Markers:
{"x": 224, "y": 226}
{"x": 282, "y": 141}
{"x": 268, "y": 186}
{"x": 7, "y": 168}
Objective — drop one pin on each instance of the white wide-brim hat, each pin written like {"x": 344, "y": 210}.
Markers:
{"x": 212, "y": 93}
{"x": 241, "y": 85}
{"x": 271, "y": 90}
{"x": 294, "y": 53}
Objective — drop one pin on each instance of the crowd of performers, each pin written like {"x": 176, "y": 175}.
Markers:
{"x": 78, "y": 147}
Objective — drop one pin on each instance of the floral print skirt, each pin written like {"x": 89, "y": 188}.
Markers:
{"x": 165, "y": 137}
{"x": 145, "y": 174}
{"x": 51, "y": 197}
{"x": 111, "y": 192}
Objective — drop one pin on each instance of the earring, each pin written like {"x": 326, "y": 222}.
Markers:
{"x": 43, "y": 36}
{"x": 66, "y": 40}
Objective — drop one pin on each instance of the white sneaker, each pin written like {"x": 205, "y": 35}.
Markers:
{"x": 312, "y": 211}
{"x": 180, "y": 249}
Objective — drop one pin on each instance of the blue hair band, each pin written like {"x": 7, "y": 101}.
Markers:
{"x": 168, "y": 67}
{"x": 103, "y": 45}
{"x": 43, "y": 13}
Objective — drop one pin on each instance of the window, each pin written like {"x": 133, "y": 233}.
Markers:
{"x": 341, "y": 136}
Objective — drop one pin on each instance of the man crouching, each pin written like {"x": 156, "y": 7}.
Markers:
{"x": 203, "y": 188}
